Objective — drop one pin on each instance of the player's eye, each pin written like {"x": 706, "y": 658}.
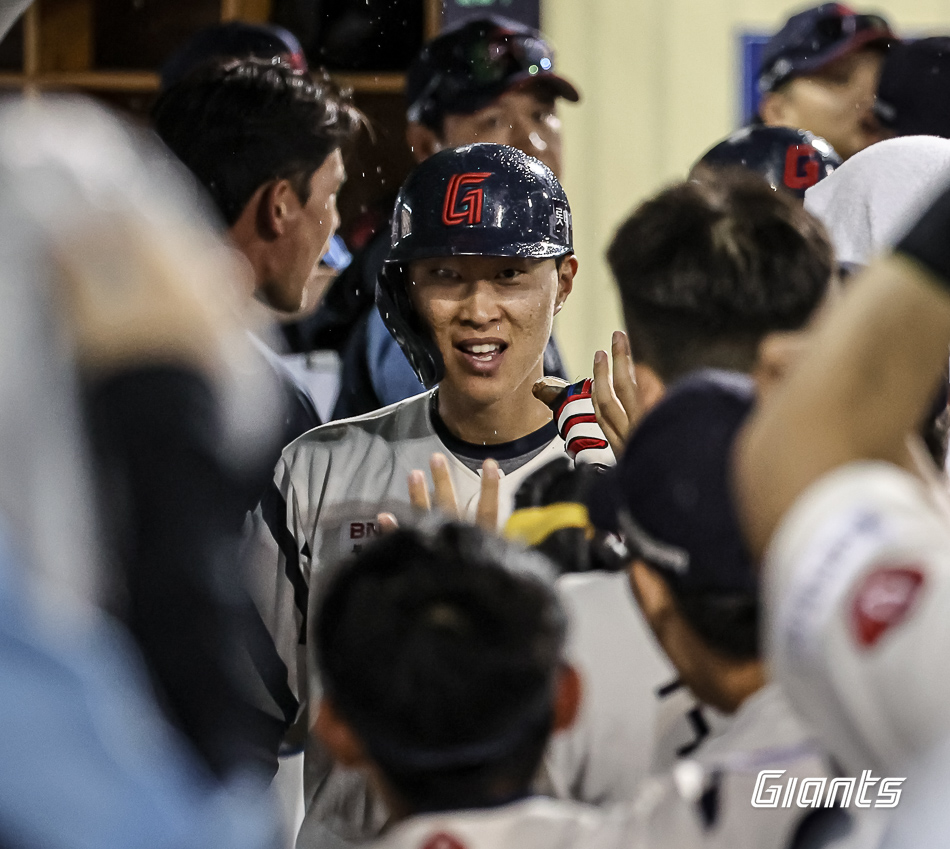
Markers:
{"x": 509, "y": 275}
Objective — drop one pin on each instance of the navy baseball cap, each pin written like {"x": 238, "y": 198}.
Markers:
{"x": 233, "y": 40}
{"x": 670, "y": 496}
{"x": 466, "y": 68}
{"x": 913, "y": 96}
{"x": 815, "y": 37}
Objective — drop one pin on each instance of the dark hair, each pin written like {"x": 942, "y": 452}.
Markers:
{"x": 709, "y": 266}
{"x": 441, "y": 649}
{"x": 239, "y": 123}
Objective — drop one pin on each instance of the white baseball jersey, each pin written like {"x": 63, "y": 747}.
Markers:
{"x": 635, "y": 719}
{"x": 705, "y": 801}
{"x": 717, "y": 782}
{"x": 540, "y": 823}
{"x": 857, "y": 591}
{"x": 329, "y": 486}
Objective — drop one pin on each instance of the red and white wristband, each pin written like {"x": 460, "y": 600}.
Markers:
{"x": 584, "y": 441}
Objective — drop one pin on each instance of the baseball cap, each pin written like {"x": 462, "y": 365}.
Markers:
{"x": 913, "y": 96}
{"x": 670, "y": 495}
{"x": 466, "y": 68}
{"x": 233, "y": 39}
{"x": 815, "y": 37}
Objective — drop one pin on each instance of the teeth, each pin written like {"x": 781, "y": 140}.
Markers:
{"x": 485, "y": 349}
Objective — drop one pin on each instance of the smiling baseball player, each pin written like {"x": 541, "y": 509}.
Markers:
{"x": 481, "y": 261}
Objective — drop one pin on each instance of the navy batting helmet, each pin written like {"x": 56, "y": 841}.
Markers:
{"x": 476, "y": 200}
{"x": 793, "y": 160}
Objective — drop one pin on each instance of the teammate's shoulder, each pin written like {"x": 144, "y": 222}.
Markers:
{"x": 534, "y": 822}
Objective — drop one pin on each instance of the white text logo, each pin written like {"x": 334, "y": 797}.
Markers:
{"x": 772, "y": 792}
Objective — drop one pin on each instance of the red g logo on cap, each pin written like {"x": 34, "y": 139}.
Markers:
{"x": 884, "y": 600}
{"x": 801, "y": 166}
{"x": 464, "y": 208}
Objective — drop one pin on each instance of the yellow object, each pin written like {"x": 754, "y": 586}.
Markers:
{"x": 533, "y": 525}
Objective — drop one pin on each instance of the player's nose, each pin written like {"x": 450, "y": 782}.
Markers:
{"x": 479, "y": 306}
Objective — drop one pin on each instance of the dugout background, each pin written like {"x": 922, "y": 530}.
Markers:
{"x": 661, "y": 81}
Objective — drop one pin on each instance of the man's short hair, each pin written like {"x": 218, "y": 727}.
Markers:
{"x": 441, "y": 649}
{"x": 240, "y": 123}
{"x": 710, "y": 266}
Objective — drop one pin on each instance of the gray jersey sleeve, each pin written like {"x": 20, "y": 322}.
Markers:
{"x": 277, "y": 560}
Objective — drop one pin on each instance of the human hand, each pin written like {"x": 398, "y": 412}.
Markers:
{"x": 486, "y": 514}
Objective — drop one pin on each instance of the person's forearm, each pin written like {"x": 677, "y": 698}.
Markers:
{"x": 865, "y": 381}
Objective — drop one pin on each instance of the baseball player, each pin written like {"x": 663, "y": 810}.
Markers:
{"x": 855, "y": 539}
{"x": 486, "y": 80}
{"x": 751, "y": 268}
{"x": 698, "y": 590}
{"x": 481, "y": 261}
{"x": 442, "y": 666}
{"x": 791, "y": 160}
{"x": 819, "y": 73}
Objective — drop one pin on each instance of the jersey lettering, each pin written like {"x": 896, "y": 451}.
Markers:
{"x": 362, "y": 530}
{"x": 801, "y": 166}
{"x": 465, "y": 208}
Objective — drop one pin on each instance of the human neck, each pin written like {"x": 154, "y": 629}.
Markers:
{"x": 504, "y": 420}
{"x": 736, "y": 682}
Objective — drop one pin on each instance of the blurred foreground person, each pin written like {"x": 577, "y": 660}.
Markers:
{"x": 716, "y": 272}
{"x": 442, "y": 666}
{"x": 265, "y": 141}
{"x": 119, "y": 307}
{"x": 851, "y": 519}
{"x": 875, "y": 197}
{"x": 820, "y": 73}
{"x": 697, "y": 587}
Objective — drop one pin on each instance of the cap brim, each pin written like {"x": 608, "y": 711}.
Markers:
{"x": 560, "y": 86}
{"x": 859, "y": 40}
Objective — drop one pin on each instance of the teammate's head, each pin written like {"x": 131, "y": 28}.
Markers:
{"x": 709, "y": 267}
{"x": 788, "y": 160}
{"x": 440, "y": 654}
{"x": 232, "y": 40}
{"x": 820, "y": 73}
{"x": 264, "y": 140}
{"x": 481, "y": 261}
{"x": 670, "y": 498}
{"x": 913, "y": 96}
{"x": 488, "y": 80}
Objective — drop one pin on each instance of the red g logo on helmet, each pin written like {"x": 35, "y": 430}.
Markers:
{"x": 801, "y": 166}
{"x": 463, "y": 205}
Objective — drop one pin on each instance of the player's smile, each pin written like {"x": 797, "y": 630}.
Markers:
{"x": 491, "y": 319}
{"x": 482, "y": 355}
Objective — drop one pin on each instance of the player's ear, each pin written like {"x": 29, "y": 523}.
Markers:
{"x": 567, "y": 700}
{"x": 652, "y": 593}
{"x": 565, "y": 281}
{"x": 423, "y": 142}
{"x": 277, "y": 208}
{"x": 338, "y": 737}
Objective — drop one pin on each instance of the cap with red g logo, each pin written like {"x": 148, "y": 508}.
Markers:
{"x": 476, "y": 200}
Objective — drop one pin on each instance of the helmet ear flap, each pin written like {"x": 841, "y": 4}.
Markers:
{"x": 406, "y": 326}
